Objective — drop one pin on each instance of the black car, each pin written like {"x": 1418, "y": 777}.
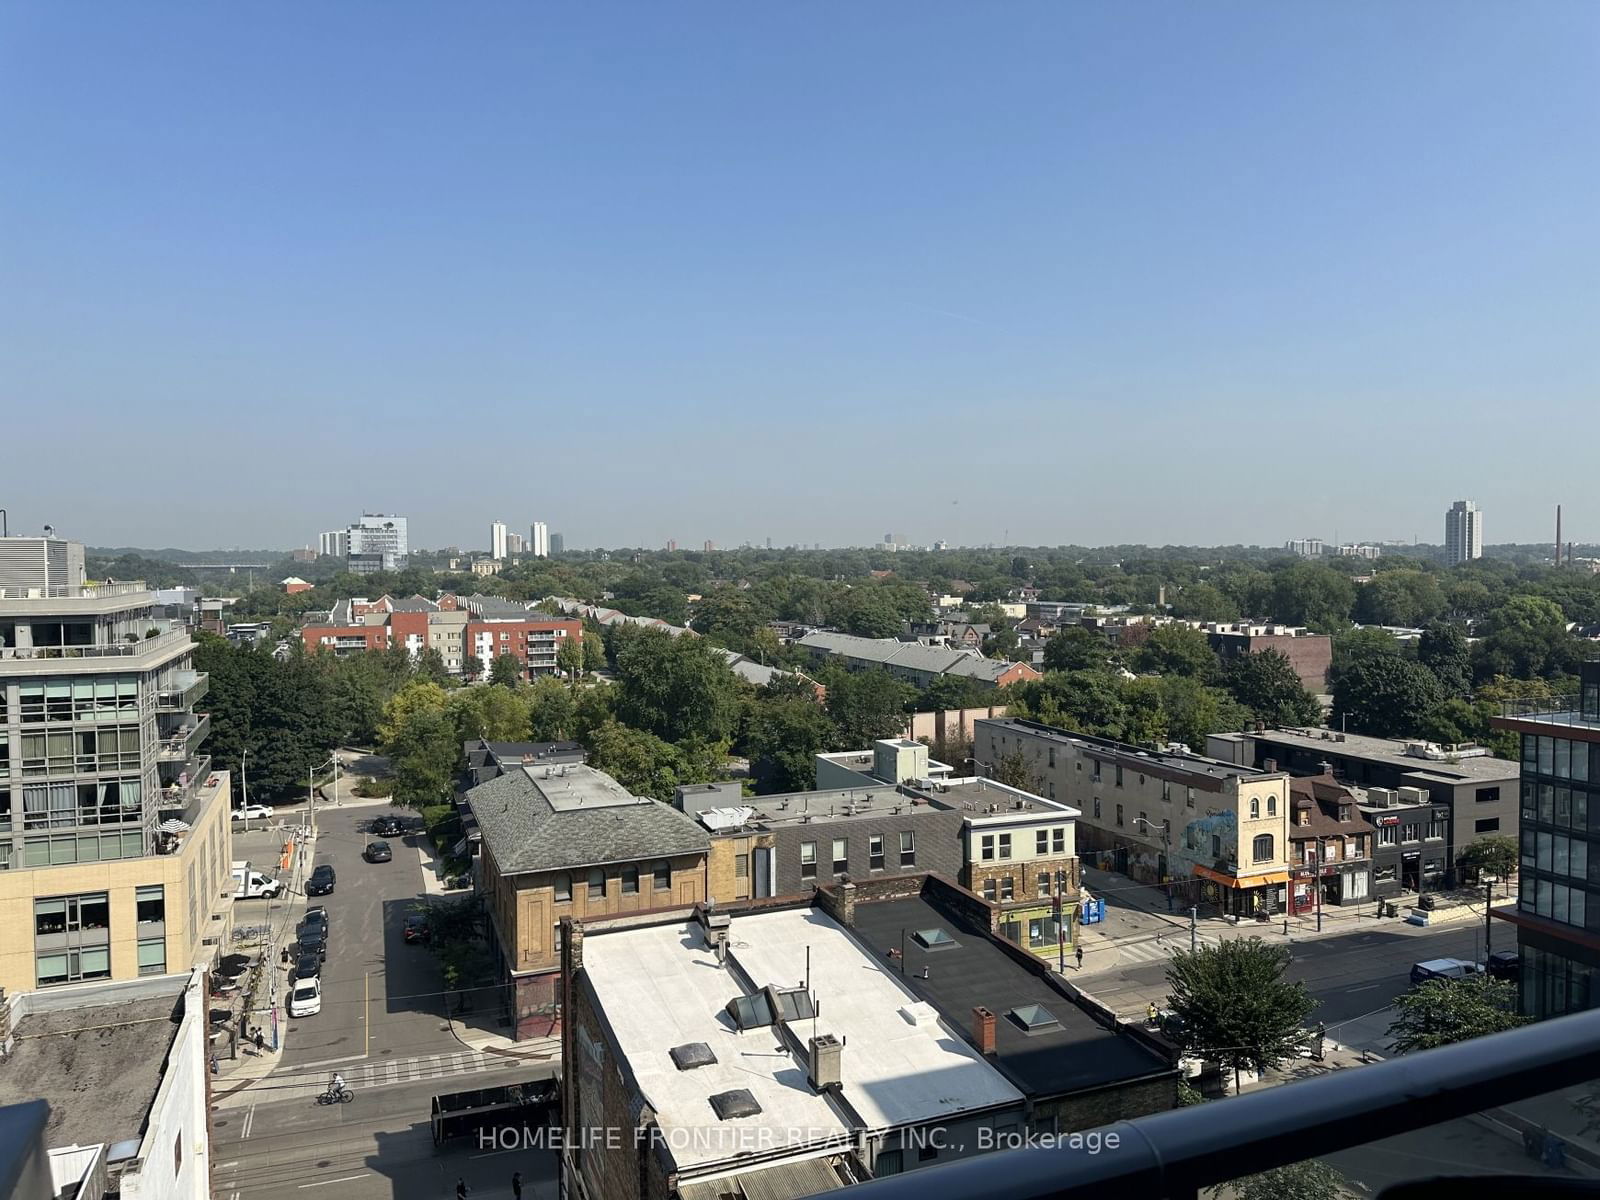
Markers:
{"x": 316, "y": 916}
{"x": 308, "y": 965}
{"x": 388, "y": 827}
{"x": 314, "y": 941}
{"x": 416, "y": 928}
{"x": 378, "y": 852}
{"x": 321, "y": 881}
{"x": 1505, "y": 964}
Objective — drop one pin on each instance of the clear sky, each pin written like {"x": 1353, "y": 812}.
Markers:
{"x": 1039, "y": 272}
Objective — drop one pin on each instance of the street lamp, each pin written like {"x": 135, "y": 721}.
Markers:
{"x": 244, "y": 790}
{"x": 981, "y": 766}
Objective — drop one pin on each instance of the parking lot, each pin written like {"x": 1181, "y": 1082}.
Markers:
{"x": 382, "y": 1025}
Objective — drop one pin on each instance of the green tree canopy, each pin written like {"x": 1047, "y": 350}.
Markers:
{"x": 783, "y": 736}
{"x": 1443, "y": 1011}
{"x": 1267, "y": 686}
{"x": 866, "y": 706}
{"x": 1077, "y": 649}
{"x": 1495, "y": 856}
{"x": 1234, "y": 1006}
{"x": 424, "y": 748}
{"x": 505, "y": 670}
{"x": 570, "y": 657}
{"x": 492, "y": 712}
{"x": 1311, "y": 1179}
{"x": 1443, "y": 650}
{"x": 1386, "y": 696}
{"x": 1176, "y": 650}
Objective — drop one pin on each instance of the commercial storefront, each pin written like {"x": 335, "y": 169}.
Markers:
{"x": 1249, "y": 896}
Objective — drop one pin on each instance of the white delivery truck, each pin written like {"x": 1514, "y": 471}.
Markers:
{"x": 249, "y": 884}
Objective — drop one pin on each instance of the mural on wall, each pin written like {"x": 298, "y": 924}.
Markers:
{"x": 1205, "y": 840}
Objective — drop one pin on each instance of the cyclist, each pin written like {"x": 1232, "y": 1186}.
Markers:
{"x": 336, "y": 1087}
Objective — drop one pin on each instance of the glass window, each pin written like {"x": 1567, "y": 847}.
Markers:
{"x": 1272, "y": 806}
{"x": 908, "y": 848}
{"x": 597, "y": 883}
{"x": 989, "y": 890}
{"x": 1119, "y": 814}
{"x": 1486, "y": 825}
{"x": 1006, "y": 892}
{"x": 808, "y": 860}
{"x": 875, "y": 852}
{"x": 1544, "y": 853}
{"x": 1058, "y": 838}
{"x": 1530, "y": 805}
{"x": 1578, "y": 866}
{"x": 1563, "y": 764}
{"x": 1580, "y": 761}
{"x": 150, "y": 904}
{"x": 988, "y": 847}
{"x": 841, "y": 855}
{"x": 1097, "y": 808}
{"x": 1547, "y": 756}
{"x": 1255, "y": 807}
{"x": 153, "y": 956}
{"x": 741, "y": 866}
{"x": 662, "y": 870}
{"x": 1044, "y": 884}
{"x": 562, "y": 886}
{"x": 1530, "y": 752}
{"x": 1388, "y": 835}
{"x": 1563, "y": 806}
{"x": 1547, "y": 803}
{"x": 1005, "y": 845}
{"x": 49, "y": 917}
{"x": 1558, "y": 860}
{"x": 630, "y": 881}
{"x": 1262, "y": 848}
{"x": 1041, "y": 842}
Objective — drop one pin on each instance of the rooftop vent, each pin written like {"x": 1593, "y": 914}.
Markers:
{"x": 738, "y": 1103}
{"x": 1034, "y": 1018}
{"x": 692, "y": 1055}
{"x": 934, "y": 939}
{"x": 826, "y": 1068}
{"x": 751, "y": 1012}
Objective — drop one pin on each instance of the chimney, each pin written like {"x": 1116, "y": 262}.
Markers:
{"x": 826, "y": 1054}
{"x": 1269, "y": 765}
{"x": 983, "y": 1029}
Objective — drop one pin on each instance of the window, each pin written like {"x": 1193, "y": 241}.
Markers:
{"x": 808, "y": 860}
{"x": 630, "y": 881}
{"x": 1166, "y": 791}
{"x": 1411, "y": 832}
{"x": 1255, "y": 808}
{"x": 1487, "y": 795}
{"x": 987, "y": 851}
{"x": 1097, "y": 808}
{"x": 989, "y": 890}
{"x": 1005, "y": 845}
{"x": 1044, "y": 885}
{"x": 1438, "y": 822}
{"x": 1006, "y": 889}
{"x": 1119, "y": 814}
{"x": 741, "y": 866}
{"x": 150, "y": 905}
{"x": 597, "y": 883}
{"x": 1388, "y": 835}
{"x": 875, "y": 852}
{"x": 1261, "y": 848}
{"x": 562, "y": 886}
{"x": 153, "y": 956}
{"x": 1216, "y": 845}
{"x": 70, "y": 966}
{"x": 1272, "y": 806}
{"x": 1486, "y": 825}
{"x": 1189, "y": 797}
{"x": 1041, "y": 842}
{"x": 1052, "y": 758}
{"x": 841, "y": 855}
{"x": 662, "y": 870}
{"x": 1094, "y": 775}
{"x": 1119, "y": 774}
{"x": 927, "y": 1153}
{"x": 1058, "y": 840}
{"x": 908, "y": 848}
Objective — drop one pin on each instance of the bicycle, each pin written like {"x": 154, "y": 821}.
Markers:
{"x": 250, "y": 933}
{"x": 340, "y": 1096}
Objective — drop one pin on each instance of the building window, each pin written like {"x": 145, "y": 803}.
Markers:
{"x": 1486, "y": 825}
{"x": 841, "y": 855}
{"x": 1094, "y": 775}
{"x": 1041, "y": 842}
{"x": 808, "y": 860}
{"x": 1119, "y": 814}
{"x": 1388, "y": 835}
{"x": 70, "y": 966}
{"x": 741, "y": 866}
{"x": 1411, "y": 832}
{"x": 1005, "y": 845}
{"x": 150, "y": 905}
{"x": 989, "y": 890}
{"x": 1216, "y": 845}
{"x": 1058, "y": 840}
{"x": 1255, "y": 808}
{"x": 1006, "y": 892}
{"x": 908, "y": 848}
{"x": 1052, "y": 758}
{"x": 153, "y": 956}
{"x": 1119, "y": 774}
{"x": 1189, "y": 797}
{"x": 1487, "y": 795}
{"x": 1044, "y": 885}
{"x": 597, "y": 883}
{"x": 1272, "y": 806}
{"x": 1261, "y": 848}
{"x": 987, "y": 851}
{"x": 1438, "y": 822}
{"x": 1166, "y": 791}
{"x": 1097, "y": 808}
{"x": 662, "y": 870}
{"x": 875, "y": 852}
{"x": 630, "y": 881}
{"x": 562, "y": 885}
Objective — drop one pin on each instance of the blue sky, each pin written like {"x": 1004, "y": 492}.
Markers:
{"x": 1039, "y": 272}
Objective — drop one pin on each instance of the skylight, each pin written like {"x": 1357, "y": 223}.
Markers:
{"x": 1034, "y": 1018}
{"x": 795, "y": 1005}
{"x": 934, "y": 939}
{"x": 692, "y": 1055}
{"x": 750, "y": 1012}
{"x": 738, "y": 1103}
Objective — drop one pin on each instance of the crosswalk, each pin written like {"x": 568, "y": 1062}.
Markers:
{"x": 306, "y": 1083}
{"x": 1152, "y": 949}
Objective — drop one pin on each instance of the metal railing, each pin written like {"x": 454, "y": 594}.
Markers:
{"x": 75, "y": 591}
{"x": 181, "y": 694}
{"x": 178, "y": 746}
{"x": 1554, "y": 710}
{"x": 1178, "y": 1153}
{"x": 123, "y": 649}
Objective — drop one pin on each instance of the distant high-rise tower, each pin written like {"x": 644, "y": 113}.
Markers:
{"x": 497, "y": 540}
{"x": 558, "y": 543}
{"x": 672, "y": 544}
{"x": 539, "y": 540}
{"x": 710, "y": 546}
{"x": 1463, "y": 532}
{"x": 336, "y": 543}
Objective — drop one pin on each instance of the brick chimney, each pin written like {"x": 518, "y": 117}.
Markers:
{"x": 983, "y": 1029}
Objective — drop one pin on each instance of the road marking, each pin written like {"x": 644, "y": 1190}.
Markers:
{"x": 366, "y": 1011}
{"x": 249, "y": 1120}
{"x": 1365, "y": 987}
{"x": 326, "y": 1182}
{"x": 324, "y": 1062}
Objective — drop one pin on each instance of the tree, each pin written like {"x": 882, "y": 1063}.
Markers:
{"x": 418, "y": 696}
{"x": 594, "y": 650}
{"x": 1443, "y": 1011}
{"x": 1176, "y": 650}
{"x": 506, "y": 670}
{"x": 471, "y": 667}
{"x": 868, "y": 612}
{"x": 1234, "y": 1006}
{"x": 424, "y": 749}
{"x": 1194, "y": 710}
{"x": 1077, "y": 649}
{"x": 783, "y": 738}
{"x": 1385, "y": 696}
{"x": 1016, "y": 770}
{"x": 675, "y": 688}
{"x": 1309, "y": 594}
{"x": 430, "y": 665}
{"x": 569, "y": 657}
{"x": 867, "y": 706}
{"x": 1311, "y": 1179}
{"x": 1266, "y": 684}
{"x": 493, "y": 713}
{"x": 1443, "y": 650}
{"x": 1495, "y": 856}
{"x": 1401, "y": 596}
{"x": 551, "y": 710}
{"x": 948, "y": 692}
{"x": 1525, "y": 637}
{"x": 639, "y": 761}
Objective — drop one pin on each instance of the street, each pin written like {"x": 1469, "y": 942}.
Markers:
{"x": 382, "y": 1027}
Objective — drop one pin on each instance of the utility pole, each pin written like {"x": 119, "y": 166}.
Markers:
{"x": 244, "y": 789}
{"x": 1317, "y": 884}
{"x": 1488, "y": 920}
{"x": 1061, "y": 930}
{"x": 1194, "y": 930}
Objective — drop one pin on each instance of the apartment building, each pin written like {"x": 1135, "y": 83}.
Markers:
{"x": 1558, "y": 924}
{"x": 1215, "y": 831}
{"x": 559, "y": 840}
{"x": 377, "y": 542}
{"x": 498, "y": 627}
{"x": 115, "y": 844}
{"x": 1463, "y": 533}
{"x": 915, "y": 663}
{"x": 1330, "y": 845}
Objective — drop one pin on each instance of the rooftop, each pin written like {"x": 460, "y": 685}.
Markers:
{"x": 1073, "y": 1054}
{"x": 1446, "y": 767}
{"x": 661, "y": 987}
{"x": 1191, "y": 764}
{"x": 98, "y": 1067}
{"x": 911, "y": 655}
{"x": 546, "y": 818}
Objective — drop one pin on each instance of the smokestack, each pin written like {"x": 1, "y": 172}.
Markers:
{"x": 983, "y": 1029}
{"x": 1558, "y": 535}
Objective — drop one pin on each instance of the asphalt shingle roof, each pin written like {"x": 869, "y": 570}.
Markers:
{"x": 526, "y": 832}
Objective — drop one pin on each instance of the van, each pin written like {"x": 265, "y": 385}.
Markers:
{"x": 1443, "y": 968}
{"x": 250, "y": 885}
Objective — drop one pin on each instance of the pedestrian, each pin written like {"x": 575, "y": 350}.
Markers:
{"x": 261, "y": 1040}
{"x": 1078, "y": 954}
{"x": 1150, "y": 1012}
{"x": 516, "y": 1185}
{"x": 461, "y": 1188}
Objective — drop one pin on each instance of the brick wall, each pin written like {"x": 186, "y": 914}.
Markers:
{"x": 938, "y": 846}
{"x": 1120, "y": 1102}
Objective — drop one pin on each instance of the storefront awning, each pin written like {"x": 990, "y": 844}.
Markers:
{"x": 1249, "y": 881}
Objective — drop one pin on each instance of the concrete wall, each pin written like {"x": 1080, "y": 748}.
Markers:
{"x": 175, "y": 1153}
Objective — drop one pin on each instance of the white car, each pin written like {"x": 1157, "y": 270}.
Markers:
{"x": 249, "y": 811}
{"x": 306, "y": 999}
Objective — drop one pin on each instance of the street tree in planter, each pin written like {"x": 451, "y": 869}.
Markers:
{"x": 1495, "y": 856}
{"x": 1235, "y": 1008}
{"x": 1443, "y": 1011}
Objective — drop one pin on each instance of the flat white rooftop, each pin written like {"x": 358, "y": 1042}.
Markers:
{"x": 660, "y": 987}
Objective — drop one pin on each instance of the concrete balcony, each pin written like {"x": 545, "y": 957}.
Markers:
{"x": 186, "y": 688}
{"x": 179, "y": 744}
{"x": 143, "y": 654}
{"x": 192, "y": 777}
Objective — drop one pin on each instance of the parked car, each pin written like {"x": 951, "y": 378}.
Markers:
{"x": 251, "y": 811}
{"x": 314, "y": 941}
{"x": 321, "y": 881}
{"x": 1505, "y": 964}
{"x": 307, "y": 965}
{"x": 416, "y": 928}
{"x": 306, "y": 999}
{"x": 317, "y": 914}
{"x": 378, "y": 852}
{"x": 1443, "y": 968}
{"x": 388, "y": 827}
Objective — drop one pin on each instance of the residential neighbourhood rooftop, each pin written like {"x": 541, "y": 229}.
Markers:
{"x": 1420, "y": 758}
{"x": 1189, "y": 763}
{"x": 547, "y": 818}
